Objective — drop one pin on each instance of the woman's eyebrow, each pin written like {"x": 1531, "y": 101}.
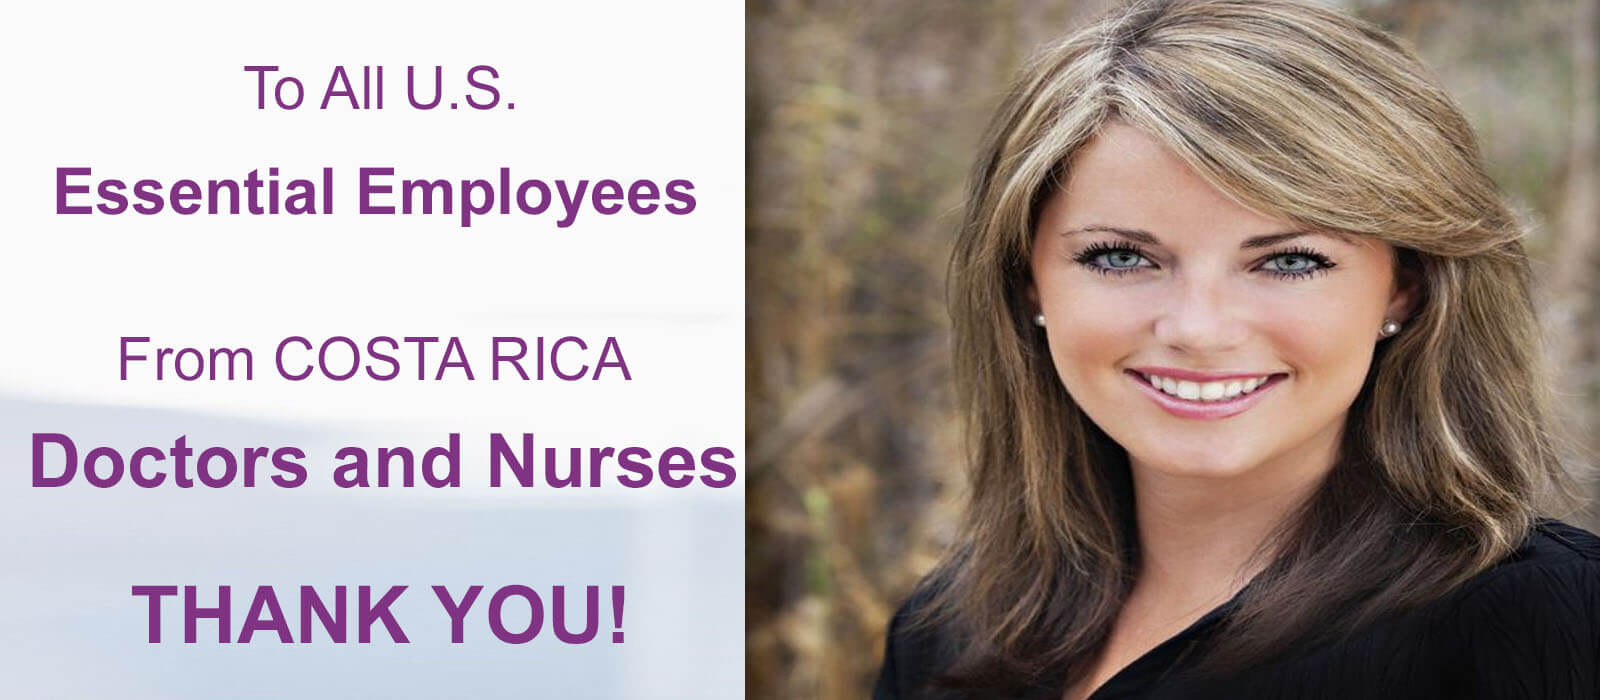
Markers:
{"x": 1261, "y": 241}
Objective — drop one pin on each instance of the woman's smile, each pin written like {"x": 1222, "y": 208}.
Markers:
{"x": 1213, "y": 400}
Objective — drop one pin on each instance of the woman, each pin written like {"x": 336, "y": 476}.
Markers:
{"x": 1245, "y": 336}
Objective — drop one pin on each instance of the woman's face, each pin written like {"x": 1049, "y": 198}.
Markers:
{"x": 1140, "y": 267}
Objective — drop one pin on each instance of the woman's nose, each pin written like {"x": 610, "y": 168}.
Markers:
{"x": 1201, "y": 317}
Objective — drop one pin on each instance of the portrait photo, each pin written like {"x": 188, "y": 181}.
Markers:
{"x": 1173, "y": 349}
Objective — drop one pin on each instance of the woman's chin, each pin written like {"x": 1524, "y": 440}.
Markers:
{"x": 1193, "y": 466}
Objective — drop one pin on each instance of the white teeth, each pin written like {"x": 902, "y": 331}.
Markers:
{"x": 1205, "y": 391}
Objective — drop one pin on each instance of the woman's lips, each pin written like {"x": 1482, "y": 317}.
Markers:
{"x": 1205, "y": 410}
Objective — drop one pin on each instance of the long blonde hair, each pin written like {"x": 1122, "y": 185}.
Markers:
{"x": 1317, "y": 118}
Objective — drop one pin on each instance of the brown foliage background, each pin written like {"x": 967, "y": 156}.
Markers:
{"x": 862, "y": 118}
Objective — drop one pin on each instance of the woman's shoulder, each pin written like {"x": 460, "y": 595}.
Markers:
{"x": 917, "y": 645}
{"x": 1555, "y": 542}
{"x": 1530, "y": 626}
{"x": 1553, "y": 553}
{"x": 1555, "y": 562}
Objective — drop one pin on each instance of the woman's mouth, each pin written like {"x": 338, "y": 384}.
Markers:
{"x": 1205, "y": 400}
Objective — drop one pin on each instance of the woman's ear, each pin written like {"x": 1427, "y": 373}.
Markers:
{"x": 1407, "y": 292}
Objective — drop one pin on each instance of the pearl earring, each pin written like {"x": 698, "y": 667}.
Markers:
{"x": 1389, "y": 327}
{"x": 1038, "y": 320}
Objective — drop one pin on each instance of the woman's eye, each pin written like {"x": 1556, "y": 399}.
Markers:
{"x": 1297, "y": 265}
{"x": 1121, "y": 260}
{"x": 1292, "y": 263}
{"x": 1108, "y": 260}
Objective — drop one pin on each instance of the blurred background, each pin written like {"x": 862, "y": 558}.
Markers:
{"x": 862, "y": 120}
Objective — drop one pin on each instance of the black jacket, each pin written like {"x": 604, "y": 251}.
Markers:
{"x": 1527, "y": 628}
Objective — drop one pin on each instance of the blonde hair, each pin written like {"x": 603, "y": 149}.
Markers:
{"x": 1305, "y": 114}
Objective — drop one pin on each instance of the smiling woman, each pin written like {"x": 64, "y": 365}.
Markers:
{"x": 1245, "y": 339}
